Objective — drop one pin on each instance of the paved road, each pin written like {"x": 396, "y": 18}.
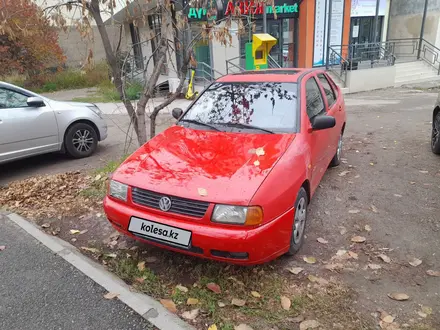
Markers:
{"x": 39, "y": 290}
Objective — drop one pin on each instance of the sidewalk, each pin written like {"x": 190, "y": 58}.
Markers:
{"x": 41, "y": 290}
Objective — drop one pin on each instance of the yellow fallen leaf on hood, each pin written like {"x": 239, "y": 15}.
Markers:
{"x": 202, "y": 192}
{"x": 257, "y": 163}
{"x": 260, "y": 152}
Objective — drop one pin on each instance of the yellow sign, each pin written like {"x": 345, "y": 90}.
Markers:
{"x": 262, "y": 43}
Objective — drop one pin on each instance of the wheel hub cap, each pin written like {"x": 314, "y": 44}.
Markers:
{"x": 299, "y": 221}
{"x": 82, "y": 140}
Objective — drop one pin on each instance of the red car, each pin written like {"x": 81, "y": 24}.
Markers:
{"x": 231, "y": 180}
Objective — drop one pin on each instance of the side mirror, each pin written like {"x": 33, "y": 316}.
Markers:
{"x": 177, "y": 113}
{"x": 323, "y": 122}
{"x": 35, "y": 102}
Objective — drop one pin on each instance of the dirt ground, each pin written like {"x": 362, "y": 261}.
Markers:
{"x": 387, "y": 190}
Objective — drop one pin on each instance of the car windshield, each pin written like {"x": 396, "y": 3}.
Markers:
{"x": 268, "y": 107}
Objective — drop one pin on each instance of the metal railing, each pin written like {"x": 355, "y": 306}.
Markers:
{"x": 235, "y": 64}
{"x": 206, "y": 74}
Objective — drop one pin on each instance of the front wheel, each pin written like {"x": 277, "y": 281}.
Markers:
{"x": 336, "y": 160}
{"x": 435, "y": 136}
{"x": 299, "y": 222}
{"x": 81, "y": 140}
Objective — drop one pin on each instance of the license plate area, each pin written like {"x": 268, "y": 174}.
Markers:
{"x": 160, "y": 232}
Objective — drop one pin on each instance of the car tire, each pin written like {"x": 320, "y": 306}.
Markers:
{"x": 336, "y": 160}
{"x": 435, "y": 135}
{"x": 299, "y": 222}
{"x": 81, "y": 140}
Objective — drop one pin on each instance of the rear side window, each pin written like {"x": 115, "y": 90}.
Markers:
{"x": 315, "y": 103}
{"x": 329, "y": 92}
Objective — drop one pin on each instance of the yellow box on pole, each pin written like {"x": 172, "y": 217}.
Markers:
{"x": 262, "y": 43}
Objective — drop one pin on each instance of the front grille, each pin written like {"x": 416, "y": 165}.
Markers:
{"x": 179, "y": 205}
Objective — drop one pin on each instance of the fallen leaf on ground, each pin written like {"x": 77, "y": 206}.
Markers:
{"x": 296, "y": 319}
{"x": 415, "y": 262}
{"x": 243, "y": 327}
{"x": 212, "y": 327}
{"x": 202, "y": 192}
{"x": 93, "y": 250}
{"x": 374, "y": 266}
{"x": 421, "y": 314}
{"x": 285, "y": 303}
{"x": 358, "y": 239}
{"x": 424, "y": 172}
{"x": 141, "y": 266}
{"x": 98, "y": 177}
{"x": 433, "y": 273}
{"x": 214, "y": 287}
{"x": 150, "y": 260}
{"x": 372, "y": 164}
{"x": 340, "y": 253}
{"x": 140, "y": 279}
{"x": 169, "y": 304}
{"x": 388, "y": 319}
{"x": 344, "y": 173}
{"x": 342, "y": 230}
{"x": 2, "y": 247}
{"x": 338, "y": 199}
{"x": 322, "y": 240}
{"x": 367, "y": 228}
{"x": 398, "y": 296}
{"x": 295, "y": 270}
{"x": 374, "y": 208}
{"x": 333, "y": 267}
{"x": 74, "y": 231}
{"x": 111, "y": 295}
{"x": 221, "y": 304}
{"x": 181, "y": 288}
{"x": 255, "y": 294}
{"x": 385, "y": 258}
{"x": 111, "y": 255}
{"x": 309, "y": 324}
{"x": 353, "y": 211}
{"x": 310, "y": 260}
{"x": 238, "y": 302}
{"x": 191, "y": 315}
{"x": 45, "y": 225}
{"x": 192, "y": 301}
{"x": 397, "y": 195}
{"x": 352, "y": 254}
{"x": 312, "y": 278}
{"x": 98, "y": 215}
{"x": 427, "y": 310}
{"x": 260, "y": 152}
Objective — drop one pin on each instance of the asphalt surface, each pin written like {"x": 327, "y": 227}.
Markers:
{"x": 39, "y": 290}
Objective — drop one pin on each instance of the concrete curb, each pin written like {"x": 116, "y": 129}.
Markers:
{"x": 142, "y": 304}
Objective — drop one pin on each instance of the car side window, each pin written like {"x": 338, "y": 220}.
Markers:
{"x": 12, "y": 99}
{"x": 329, "y": 92}
{"x": 315, "y": 103}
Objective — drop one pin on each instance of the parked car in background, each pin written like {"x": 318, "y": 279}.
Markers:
{"x": 232, "y": 180}
{"x": 31, "y": 124}
{"x": 435, "y": 136}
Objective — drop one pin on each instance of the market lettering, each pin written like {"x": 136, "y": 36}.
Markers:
{"x": 284, "y": 9}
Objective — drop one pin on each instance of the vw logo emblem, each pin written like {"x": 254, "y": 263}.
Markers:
{"x": 165, "y": 204}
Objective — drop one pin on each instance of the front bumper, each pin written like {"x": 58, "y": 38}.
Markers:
{"x": 103, "y": 130}
{"x": 239, "y": 245}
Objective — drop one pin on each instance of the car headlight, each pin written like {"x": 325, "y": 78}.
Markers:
{"x": 238, "y": 215}
{"x": 96, "y": 110}
{"x": 118, "y": 190}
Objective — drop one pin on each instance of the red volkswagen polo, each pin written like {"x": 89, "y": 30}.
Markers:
{"x": 232, "y": 179}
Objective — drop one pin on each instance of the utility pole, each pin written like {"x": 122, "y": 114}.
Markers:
{"x": 376, "y": 20}
{"x": 329, "y": 29}
{"x": 422, "y": 29}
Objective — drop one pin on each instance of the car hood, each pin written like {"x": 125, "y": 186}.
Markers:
{"x": 63, "y": 104}
{"x": 214, "y": 166}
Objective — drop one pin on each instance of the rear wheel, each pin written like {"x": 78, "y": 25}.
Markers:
{"x": 81, "y": 140}
{"x": 336, "y": 160}
{"x": 299, "y": 222}
{"x": 435, "y": 137}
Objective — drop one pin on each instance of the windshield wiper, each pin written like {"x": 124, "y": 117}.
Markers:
{"x": 247, "y": 126}
{"x": 192, "y": 121}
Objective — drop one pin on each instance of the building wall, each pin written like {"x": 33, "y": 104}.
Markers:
{"x": 220, "y": 53}
{"x": 406, "y": 20}
{"x": 76, "y": 48}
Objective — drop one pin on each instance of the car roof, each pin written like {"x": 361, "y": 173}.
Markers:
{"x": 291, "y": 75}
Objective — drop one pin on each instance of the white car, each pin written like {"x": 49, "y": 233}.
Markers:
{"x": 31, "y": 124}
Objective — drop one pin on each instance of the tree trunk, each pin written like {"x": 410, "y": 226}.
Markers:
{"x": 138, "y": 119}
